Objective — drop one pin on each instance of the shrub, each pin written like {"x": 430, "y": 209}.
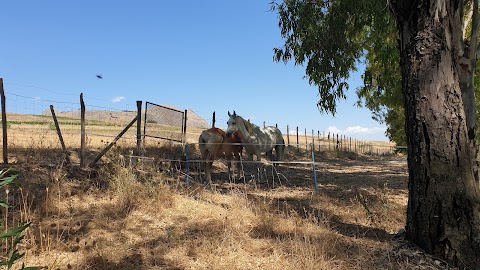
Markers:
{"x": 12, "y": 254}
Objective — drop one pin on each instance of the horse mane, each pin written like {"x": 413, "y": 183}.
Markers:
{"x": 249, "y": 126}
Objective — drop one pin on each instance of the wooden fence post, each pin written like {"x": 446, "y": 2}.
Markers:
{"x": 306, "y": 141}
{"x": 313, "y": 141}
{"x": 139, "y": 127}
{"x": 328, "y": 139}
{"x": 82, "y": 131}
{"x": 338, "y": 142}
{"x": 288, "y": 136}
{"x": 213, "y": 119}
{"x": 298, "y": 144}
{"x": 4, "y": 123}
{"x": 60, "y": 137}
{"x": 185, "y": 128}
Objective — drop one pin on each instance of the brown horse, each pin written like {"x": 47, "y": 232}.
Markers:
{"x": 214, "y": 144}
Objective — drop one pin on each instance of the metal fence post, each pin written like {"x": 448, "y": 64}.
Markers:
{"x": 139, "y": 127}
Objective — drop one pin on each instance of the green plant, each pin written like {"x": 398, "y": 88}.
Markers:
{"x": 12, "y": 253}
{"x": 52, "y": 126}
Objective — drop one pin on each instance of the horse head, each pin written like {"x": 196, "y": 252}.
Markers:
{"x": 235, "y": 121}
{"x": 232, "y": 123}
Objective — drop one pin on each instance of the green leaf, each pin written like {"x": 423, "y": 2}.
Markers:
{"x": 15, "y": 231}
{"x": 4, "y": 204}
{"x": 8, "y": 180}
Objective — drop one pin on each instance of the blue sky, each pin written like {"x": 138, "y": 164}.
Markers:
{"x": 201, "y": 55}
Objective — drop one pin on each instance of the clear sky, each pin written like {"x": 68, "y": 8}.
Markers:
{"x": 213, "y": 55}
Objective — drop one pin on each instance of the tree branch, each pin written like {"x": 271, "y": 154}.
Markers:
{"x": 474, "y": 39}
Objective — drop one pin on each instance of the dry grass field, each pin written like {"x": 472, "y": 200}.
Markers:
{"x": 140, "y": 214}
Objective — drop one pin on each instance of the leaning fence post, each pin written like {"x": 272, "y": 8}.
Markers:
{"x": 139, "y": 127}
{"x": 82, "y": 132}
{"x": 4, "y": 123}
{"x": 314, "y": 171}
{"x": 60, "y": 137}
{"x": 113, "y": 142}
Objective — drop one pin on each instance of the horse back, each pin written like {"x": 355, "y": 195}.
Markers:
{"x": 209, "y": 141}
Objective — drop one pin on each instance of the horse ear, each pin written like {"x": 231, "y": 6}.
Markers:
{"x": 229, "y": 114}
{"x": 234, "y": 113}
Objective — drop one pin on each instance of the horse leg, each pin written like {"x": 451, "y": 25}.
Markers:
{"x": 259, "y": 166}
{"x": 270, "y": 154}
{"x": 209, "y": 171}
{"x": 279, "y": 154}
{"x": 237, "y": 164}
{"x": 258, "y": 154}
{"x": 229, "y": 164}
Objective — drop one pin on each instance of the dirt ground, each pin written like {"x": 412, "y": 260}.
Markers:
{"x": 144, "y": 216}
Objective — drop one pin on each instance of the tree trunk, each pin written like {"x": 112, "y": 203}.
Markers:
{"x": 443, "y": 212}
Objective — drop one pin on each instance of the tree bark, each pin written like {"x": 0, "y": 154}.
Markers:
{"x": 443, "y": 212}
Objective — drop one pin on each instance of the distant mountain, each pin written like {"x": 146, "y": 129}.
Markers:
{"x": 165, "y": 115}
{"x": 171, "y": 116}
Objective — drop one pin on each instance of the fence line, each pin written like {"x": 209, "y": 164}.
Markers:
{"x": 30, "y": 125}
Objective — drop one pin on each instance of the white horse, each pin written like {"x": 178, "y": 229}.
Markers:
{"x": 257, "y": 140}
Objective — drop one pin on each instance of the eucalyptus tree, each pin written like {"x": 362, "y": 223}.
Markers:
{"x": 432, "y": 86}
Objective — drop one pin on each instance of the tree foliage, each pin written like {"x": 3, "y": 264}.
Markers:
{"x": 329, "y": 38}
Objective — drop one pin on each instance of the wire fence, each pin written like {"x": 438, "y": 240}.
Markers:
{"x": 31, "y": 127}
{"x": 28, "y": 128}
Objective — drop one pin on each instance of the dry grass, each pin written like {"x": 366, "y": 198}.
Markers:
{"x": 139, "y": 216}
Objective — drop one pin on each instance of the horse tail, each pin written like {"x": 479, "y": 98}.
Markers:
{"x": 202, "y": 144}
